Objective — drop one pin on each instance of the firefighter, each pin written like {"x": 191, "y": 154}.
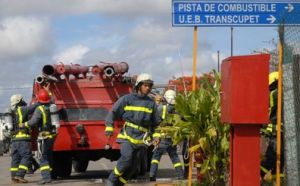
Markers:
{"x": 141, "y": 117}
{"x": 6, "y": 138}
{"x": 21, "y": 144}
{"x": 166, "y": 143}
{"x": 41, "y": 119}
{"x": 268, "y": 165}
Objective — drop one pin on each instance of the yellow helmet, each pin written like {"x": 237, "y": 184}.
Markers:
{"x": 273, "y": 77}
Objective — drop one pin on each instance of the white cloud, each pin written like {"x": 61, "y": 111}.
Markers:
{"x": 76, "y": 7}
{"x": 168, "y": 60}
{"x": 73, "y": 54}
{"x": 1, "y": 91}
{"x": 150, "y": 32}
{"x": 23, "y": 36}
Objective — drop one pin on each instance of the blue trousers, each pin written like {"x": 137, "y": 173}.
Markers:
{"x": 166, "y": 145}
{"x": 270, "y": 158}
{"x": 20, "y": 157}
{"x": 126, "y": 165}
{"x": 185, "y": 155}
{"x": 46, "y": 158}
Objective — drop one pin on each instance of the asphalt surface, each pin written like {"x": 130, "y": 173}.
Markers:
{"x": 96, "y": 174}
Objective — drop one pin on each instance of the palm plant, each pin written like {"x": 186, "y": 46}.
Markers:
{"x": 198, "y": 119}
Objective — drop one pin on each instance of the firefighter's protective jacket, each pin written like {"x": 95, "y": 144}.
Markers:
{"x": 270, "y": 129}
{"x": 140, "y": 115}
{"x": 41, "y": 119}
{"x": 165, "y": 109}
{"x": 21, "y": 115}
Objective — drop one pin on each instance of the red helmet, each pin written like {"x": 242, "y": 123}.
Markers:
{"x": 43, "y": 96}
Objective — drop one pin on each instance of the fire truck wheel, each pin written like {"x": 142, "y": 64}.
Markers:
{"x": 80, "y": 166}
{"x": 62, "y": 165}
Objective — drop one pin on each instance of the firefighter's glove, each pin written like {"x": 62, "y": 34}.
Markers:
{"x": 268, "y": 177}
{"x": 22, "y": 125}
{"x": 108, "y": 133}
{"x": 156, "y": 142}
{"x": 158, "y": 99}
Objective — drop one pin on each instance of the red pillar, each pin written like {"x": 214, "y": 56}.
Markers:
{"x": 245, "y": 155}
{"x": 245, "y": 102}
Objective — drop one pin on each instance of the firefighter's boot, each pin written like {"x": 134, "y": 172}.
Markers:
{"x": 21, "y": 179}
{"x": 14, "y": 180}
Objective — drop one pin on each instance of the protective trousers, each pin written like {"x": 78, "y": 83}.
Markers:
{"x": 166, "y": 145}
{"x": 45, "y": 157}
{"x": 126, "y": 165}
{"x": 269, "y": 161}
{"x": 185, "y": 157}
{"x": 20, "y": 158}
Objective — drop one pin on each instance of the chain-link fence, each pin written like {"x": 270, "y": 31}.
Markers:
{"x": 290, "y": 37}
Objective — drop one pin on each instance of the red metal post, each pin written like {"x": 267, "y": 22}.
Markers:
{"x": 245, "y": 102}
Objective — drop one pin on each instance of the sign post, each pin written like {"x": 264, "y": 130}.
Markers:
{"x": 230, "y": 13}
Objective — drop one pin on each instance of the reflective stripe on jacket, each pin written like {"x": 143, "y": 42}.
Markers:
{"x": 164, "y": 110}
{"x": 41, "y": 119}
{"x": 139, "y": 113}
{"x": 20, "y": 133}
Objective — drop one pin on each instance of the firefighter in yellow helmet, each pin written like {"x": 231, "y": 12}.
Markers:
{"x": 139, "y": 112}
{"x": 268, "y": 165}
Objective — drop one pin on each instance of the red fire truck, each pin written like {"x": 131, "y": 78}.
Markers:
{"x": 84, "y": 95}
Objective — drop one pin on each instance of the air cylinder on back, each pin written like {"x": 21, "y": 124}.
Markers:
{"x": 8, "y": 119}
{"x": 54, "y": 116}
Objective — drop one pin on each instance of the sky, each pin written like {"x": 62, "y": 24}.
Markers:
{"x": 34, "y": 33}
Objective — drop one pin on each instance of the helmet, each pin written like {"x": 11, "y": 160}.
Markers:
{"x": 144, "y": 78}
{"x": 15, "y": 99}
{"x": 43, "y": 96}
{"x": 170, "y": 96}
{"x": 273, "y": 77}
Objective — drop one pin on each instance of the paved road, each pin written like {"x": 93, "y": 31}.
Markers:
{"x": 96, "y": 174}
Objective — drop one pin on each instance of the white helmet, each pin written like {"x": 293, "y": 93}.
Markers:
{"x": 170, "y": 96}
{"x": 15, "y": 99}
{"x": 144, "y": 78}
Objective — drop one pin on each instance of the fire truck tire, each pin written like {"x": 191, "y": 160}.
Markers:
{"x": 62, "y": 165}
{"x": 80, "y": 166}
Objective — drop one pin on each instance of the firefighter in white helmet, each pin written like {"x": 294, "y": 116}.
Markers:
{"x": 170, "y": 97}
{"x": 21, "y": 139}
{"x": 166, "y": 143}
{"x": 139, "y": 112}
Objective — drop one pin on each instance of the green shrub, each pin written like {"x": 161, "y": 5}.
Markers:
{"x": 198, "y": 120}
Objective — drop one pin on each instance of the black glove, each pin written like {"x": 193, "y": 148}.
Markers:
{"x": 108, "y": 133}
